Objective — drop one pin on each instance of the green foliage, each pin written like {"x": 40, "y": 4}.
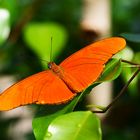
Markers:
{"x": 33, "y": 26}
{"x": 4, "y": 25}
{"x": 46, "y": 115}
{"x": 38, "y": 37}
{"x": 131, "y": 37}
{"x": 75, "y": 126}
{"x": 128, "y": 71}
{"x": 44, "y": 120}
{"x": 128, "y": 20}
{"x": 129, "y": 54}
{"x": 111, "y": 71}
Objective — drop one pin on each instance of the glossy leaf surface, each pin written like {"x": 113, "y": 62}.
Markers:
{"x": 75, "y": 126}
{"x": 47, "y": 114}
{"x": 111, "y": 71}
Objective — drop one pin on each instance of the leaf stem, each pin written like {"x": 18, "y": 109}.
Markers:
{"x": 129, "y": 62}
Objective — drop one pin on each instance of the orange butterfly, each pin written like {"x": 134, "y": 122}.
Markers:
{"x": 61, "y": 82}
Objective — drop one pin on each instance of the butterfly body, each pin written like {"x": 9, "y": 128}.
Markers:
{"x": 65, "y": 77}
{"x": 61, "y": 82}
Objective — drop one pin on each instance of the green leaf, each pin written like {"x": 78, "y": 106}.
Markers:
{"x": 38, "y": 37}
{"x": 80, "y": 125}
{"x": 4, "y": 25}
{"x": 131, "y": 37}
{"x": 112, "y": 70}
{"x": 89, "y": 88}
{"x": 47, "y": 114}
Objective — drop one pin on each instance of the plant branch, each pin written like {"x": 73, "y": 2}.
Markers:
{"x": 129, "y": 62}
{"x": 120, "y": 93}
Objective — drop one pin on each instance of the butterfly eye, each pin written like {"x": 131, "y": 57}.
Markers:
{"x": 49, "y": 65}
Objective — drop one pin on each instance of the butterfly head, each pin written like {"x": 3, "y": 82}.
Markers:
{"x": 55, "y": 68}
{"x": 50, "y": 65}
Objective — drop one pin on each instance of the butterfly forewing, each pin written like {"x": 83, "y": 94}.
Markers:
{"x": 87, "y": 64}
{"x": 42, "y": 88}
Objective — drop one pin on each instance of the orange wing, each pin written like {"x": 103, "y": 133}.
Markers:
{"x": 42, "y": 88}
{"x": 86, "y": 65}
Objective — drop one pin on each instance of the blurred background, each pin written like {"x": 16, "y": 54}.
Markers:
{"x": 26, "y": 28}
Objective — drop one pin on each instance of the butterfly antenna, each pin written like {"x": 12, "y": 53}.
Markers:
{"x": 51, "y": 50}
{"x": 44, "y": 60}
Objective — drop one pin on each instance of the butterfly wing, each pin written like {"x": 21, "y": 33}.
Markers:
{"x": 41, "y": 88}
{"x": 80, "y": 70}
{"x": 86, "y": 65}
